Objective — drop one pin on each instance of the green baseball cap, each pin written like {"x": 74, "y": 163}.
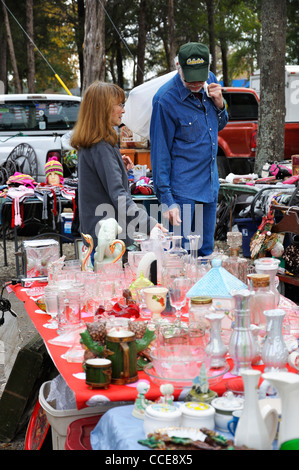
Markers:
{"x": 194, "y": 58}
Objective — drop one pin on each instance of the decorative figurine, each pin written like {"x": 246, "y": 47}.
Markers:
{"x": 107, "y": 250}
{"x": 54, "y": 172}
{"x": 87, "y": 252}
{"x": 200, "y": 389}
{"x": 141, "y": 402}
{"x": 167, "y": 392}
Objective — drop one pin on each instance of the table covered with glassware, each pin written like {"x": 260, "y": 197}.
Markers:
{"x": 192, "y": 329}
{"x": 192, "y": 335}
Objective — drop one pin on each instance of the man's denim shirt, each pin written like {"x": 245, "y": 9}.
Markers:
{"x": 184, "y": 135}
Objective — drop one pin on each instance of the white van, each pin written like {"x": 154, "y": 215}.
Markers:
{"x": 31, "y": 130}
{"x": 291, "y": 91}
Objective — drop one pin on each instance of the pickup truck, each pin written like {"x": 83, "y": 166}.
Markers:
{"x": 32, "y": 128}
{"x": 237, "y": 141}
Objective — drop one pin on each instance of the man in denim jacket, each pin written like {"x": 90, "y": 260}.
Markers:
{"x": 188, "y": 111}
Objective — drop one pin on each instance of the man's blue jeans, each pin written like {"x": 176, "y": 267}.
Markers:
{"x": 197, "y": 219}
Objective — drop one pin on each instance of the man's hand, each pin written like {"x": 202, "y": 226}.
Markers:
{"x": 173, "y": 215}
{"x": 128, "y": 162}
{"x": 215, "y": 93}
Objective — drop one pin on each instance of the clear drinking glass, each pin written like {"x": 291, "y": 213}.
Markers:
{"x": 177, "y": 294}
{"x": 51, "y": 309}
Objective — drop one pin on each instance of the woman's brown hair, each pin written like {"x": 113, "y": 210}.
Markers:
{"x": 94, "y": 118}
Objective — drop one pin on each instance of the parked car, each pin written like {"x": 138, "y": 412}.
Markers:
{"x": 237, "y": 141}
{"x": 32, "y": 127}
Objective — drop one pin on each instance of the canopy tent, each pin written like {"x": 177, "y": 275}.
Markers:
{"x": 139, "y": 105}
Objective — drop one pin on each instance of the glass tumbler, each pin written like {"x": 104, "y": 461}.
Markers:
{"x": 70, "y": 305}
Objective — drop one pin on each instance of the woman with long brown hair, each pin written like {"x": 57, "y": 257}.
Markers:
{"x": 103, "y": 188}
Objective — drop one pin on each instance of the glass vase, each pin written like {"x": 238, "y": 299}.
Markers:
{"x": 274, "y": 352}
{"x": 192, "y": 265}
{"x": 215, "y": 348}
{"x": 242, "y": 346}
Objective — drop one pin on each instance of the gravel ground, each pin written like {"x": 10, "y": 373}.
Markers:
{"x": 25, "y": 326}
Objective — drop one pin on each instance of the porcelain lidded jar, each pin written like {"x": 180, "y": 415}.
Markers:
{"x": 161, "y": 415}
{"x": 224, "y": 406}
{"x": 198, "y": 415}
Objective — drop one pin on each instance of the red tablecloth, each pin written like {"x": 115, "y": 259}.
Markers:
{"x": 71, "y": 371}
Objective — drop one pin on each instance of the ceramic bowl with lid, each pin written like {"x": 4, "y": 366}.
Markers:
{"x": 224, "y": 406}
{"x": 161, "y": 415}
{"x": 197, "y": 415}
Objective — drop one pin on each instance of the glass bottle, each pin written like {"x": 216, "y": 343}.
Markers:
{"x": 263, "y": 298}
{"x": 269, "y": 266}
{"x": 242, "y": 346}
{"x": 199, "y": 308}
{"x": 176, "y": 247}
{"x": 234, "y": 263}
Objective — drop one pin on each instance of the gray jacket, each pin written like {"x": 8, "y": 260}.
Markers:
{"x": 103, "y": 192}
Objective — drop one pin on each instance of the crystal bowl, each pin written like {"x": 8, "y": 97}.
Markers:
{"x": 179, "y": 361}
{"x": 180, "y": 365}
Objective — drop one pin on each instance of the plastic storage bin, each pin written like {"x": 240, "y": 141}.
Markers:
{"x": 66, "y": 226}
{"x": 59, "y": 420}
{"x": 247, "y": 227}
{"x": 78, "y": 433}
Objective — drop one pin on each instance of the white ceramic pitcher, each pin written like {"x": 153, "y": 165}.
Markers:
{"x": 252, "y": 430}
{"x": 287, "y": 386}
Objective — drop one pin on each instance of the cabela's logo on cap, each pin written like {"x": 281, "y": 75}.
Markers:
{"x": 195, "y": 61}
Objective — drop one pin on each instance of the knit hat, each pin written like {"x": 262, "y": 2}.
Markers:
{"x": 194, "y": 58}
{"x": 18, "y": 179}
{"x": 53, "y": 166}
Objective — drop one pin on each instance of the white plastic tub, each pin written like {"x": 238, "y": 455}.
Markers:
{"x": 59, "y": 420}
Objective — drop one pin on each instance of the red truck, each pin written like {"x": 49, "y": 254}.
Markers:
{"x": 237, "y": 141}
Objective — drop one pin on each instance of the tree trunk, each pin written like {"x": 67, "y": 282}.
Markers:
{"x": 3, "y": 57}
{"x": 223, "y": 47}
{"x": 94, "y": 43}
{"x": 142, "y": 25}
{"x": 18, "y": 87}
{"x": 30, "y": 47}
{"x": 212, "y": 41}
{"x": 171, "y": 35}
{"x": 79, "y": 34}
{"x": 271, "y": 122}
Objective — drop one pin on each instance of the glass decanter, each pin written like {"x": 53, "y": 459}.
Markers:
{"x": 173, "y": 262}
{"x": 234, "y": 263}
{"x": 176, "y": 247}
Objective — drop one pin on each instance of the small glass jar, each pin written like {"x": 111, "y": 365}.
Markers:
{"x": 263, "y": 298}
{"x": 199, "y": 308}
